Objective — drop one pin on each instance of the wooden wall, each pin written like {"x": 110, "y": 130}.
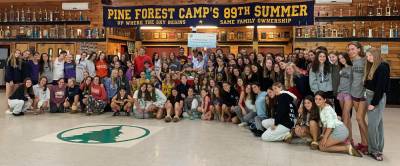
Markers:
{"x": 94, "y": 13}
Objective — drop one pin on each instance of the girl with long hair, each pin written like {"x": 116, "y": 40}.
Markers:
{"x": 376, "y": 78}
{"x": 357, "y": 91}
{"x": 344, "y": 96}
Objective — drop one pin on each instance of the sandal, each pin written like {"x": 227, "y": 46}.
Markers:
{"x": 168, "y": 119}
{"x": 288, "y": 138}
{"x": 354, "y": 152}
{"x": 377, "y": 156}
{"x": 175, "y": 119}
{"x": 314, "y": 145}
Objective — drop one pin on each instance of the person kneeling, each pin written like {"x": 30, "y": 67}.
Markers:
{"x": 284, "y": 116}
{"x": 334, "y": 132}
{"x": 174, "y": 102}
{"x": 121, "y": 102}
{"x": 307, "y": 124}
{"x": 72, "y": 101}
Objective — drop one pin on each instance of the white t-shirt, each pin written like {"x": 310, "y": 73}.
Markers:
{"x": 39, "y": 93}
{"x": 58, "y": 69}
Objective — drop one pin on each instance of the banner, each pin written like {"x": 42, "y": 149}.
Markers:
{"x": 279, "y": 14}
{"x": 207, "y": 40}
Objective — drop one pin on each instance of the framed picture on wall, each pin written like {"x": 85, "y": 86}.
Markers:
{"x": 271, "y": 35}
{"x": 156, "y": 35}
{"x": 163, "y": 35}
{"x": 263, "y": 35}
{"x": 249, "y": 35}
{"x": 179, "y": 35}
{"x": 171, "y": 35}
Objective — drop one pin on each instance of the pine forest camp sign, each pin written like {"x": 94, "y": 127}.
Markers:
{"x": 279, "y": 14}
{"x": 107, "y": 135}
{"x": 101, "y": 134}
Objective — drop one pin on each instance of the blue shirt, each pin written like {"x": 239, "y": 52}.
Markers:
{"x": 111, "y": 89}
{"x": 260, "y": 105}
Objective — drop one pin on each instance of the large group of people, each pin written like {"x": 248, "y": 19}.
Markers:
{"x": 305, "y": 96}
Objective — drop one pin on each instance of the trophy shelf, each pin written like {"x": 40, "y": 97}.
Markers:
{"x": 347, "y": 39}
{"x": 46, "y": 23}
{"x": 356, "y": 18}
{"x": 51, "y": 40}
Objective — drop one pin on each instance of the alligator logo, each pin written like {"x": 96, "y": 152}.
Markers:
{"x": 103, "y": 134}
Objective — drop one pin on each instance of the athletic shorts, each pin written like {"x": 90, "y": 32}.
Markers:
{"x": 343, "y": 96}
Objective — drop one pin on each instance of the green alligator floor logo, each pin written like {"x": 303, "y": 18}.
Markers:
{"x": 103, "y": 134}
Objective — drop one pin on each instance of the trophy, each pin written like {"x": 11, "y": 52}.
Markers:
{"x": 28, "y": 15}
{"x": 379, "y": 9}
{"x": 17, "y": 16}
{"x": 396, "y": 31}
{"x": 388, "y": 9}
{"x": 383, "y": 35}
{"x": 45, "y": 18}
{"x": 7, "y": 32}
{"x": 29, "y": 32}
{"x": 34, "y": 16}
{"x": 5, "y": 16}
{"x": 370, "y": 31}
{"x": 50, "y": 15}
{"x": 12, "y": 14}
{"x": 353, "y": 31}
{"x": 62, "y": 16}
{"x": 56, "y": 15}
{"x": 362, "y": 29}
{"x": 40, "y": 15}
{"x": 80, "y": 16}
{"x": 359, "y": 10}
{"x": 1, "y": 33}
{"x": 341, "y": 12}
{"x": 395, "y": 9}
{"x": 370, "y": 8}
{"x": 391, "y": 31}
{"x": 22, "y": 15}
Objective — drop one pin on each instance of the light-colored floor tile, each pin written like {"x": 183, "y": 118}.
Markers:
{"x": 187, "y": 143}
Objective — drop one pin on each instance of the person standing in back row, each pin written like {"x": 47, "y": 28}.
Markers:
{"x": 139, "y": 60}
{"x": 357, "y": 91}
{"x": 58, "y": 67}
{"x": 377, "y": 78}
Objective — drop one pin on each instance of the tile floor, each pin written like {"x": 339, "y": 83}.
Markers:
{"x": 187, "y": 143}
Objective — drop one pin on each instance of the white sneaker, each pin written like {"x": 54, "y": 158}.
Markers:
{"x": 8, "y": 112}
{"x": 243, "y": 124}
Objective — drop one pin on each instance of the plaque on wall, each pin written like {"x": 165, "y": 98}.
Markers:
{"x": 163, "y": 35}
{"x": 240, "y": 36}
{"x": 171, "y": 35}
{"x": 249, "y": 35}
{"x": 223, "y": 36}
{"x": 142, "y": 36}
{"x": 231, "y": 36}
{"x": 263, "y": 35}
{"x": 148, "y": 36}
{"x": 185, "y": 35}
{"x": 156, "y": 35}
{"x": 271, "y": 35}
{"x": 179, "y": 35}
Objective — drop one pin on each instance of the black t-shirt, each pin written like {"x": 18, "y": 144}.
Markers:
{"x": 182, "y": 89}
{"x": 71, "y": 92}
{"x": 173, "y": 99}
{"x": 230, "y": 98}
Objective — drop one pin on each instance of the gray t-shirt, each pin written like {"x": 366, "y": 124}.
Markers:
{"x": 345, "y": 80}
{"x": 357, "y": 86}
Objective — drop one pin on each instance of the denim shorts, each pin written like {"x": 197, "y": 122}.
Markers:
{"x": 340, "y": 133}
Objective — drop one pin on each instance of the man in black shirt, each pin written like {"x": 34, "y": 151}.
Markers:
{"x": 183, "y": 87}
{"x": 230, "y": 98}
